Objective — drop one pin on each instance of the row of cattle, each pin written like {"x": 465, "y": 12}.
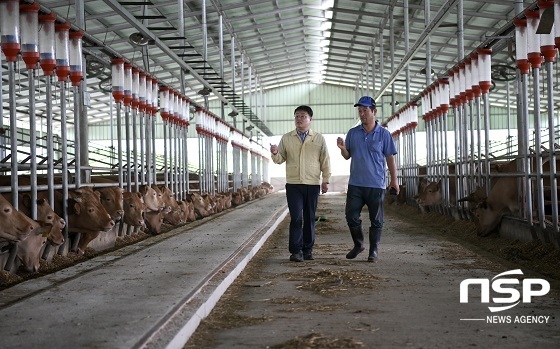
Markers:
{"x": 486, "y": 211}
{"x": 106, "y": 211}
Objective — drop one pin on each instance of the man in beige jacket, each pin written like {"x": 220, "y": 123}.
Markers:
{"x": 306, "y": 156}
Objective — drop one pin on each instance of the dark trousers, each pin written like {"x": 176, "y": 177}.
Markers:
{"x": 302, "y": 203}
{"x": 356, "y": 198}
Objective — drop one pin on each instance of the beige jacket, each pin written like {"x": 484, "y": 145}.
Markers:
{"x": 304, "y": 161}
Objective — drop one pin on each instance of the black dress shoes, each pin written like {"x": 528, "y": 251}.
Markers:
{"x": 296, "y": 257}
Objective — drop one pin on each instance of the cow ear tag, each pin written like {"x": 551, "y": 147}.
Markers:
{"x": 46, "y": 232}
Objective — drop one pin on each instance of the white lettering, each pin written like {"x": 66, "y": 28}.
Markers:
{"x": 528, "y": 291}
{"x": 500, "y": 286}
{"x": 497, "y": 286}
{"x": 531, "y": 319}
{"x": 484, "y": 289}
{"x": 498, "y": 319}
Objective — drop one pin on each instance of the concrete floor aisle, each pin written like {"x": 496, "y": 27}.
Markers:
{"x": 410, "y": 299}
{"x": 151, "y": 294}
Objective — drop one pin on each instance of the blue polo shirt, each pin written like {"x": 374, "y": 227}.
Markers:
{"x": 368, "y": 152}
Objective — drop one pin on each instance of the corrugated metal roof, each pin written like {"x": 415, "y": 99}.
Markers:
{"x": 283, "y": 42}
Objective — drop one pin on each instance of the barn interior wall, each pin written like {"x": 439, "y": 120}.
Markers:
{"x": 332, "y": 107}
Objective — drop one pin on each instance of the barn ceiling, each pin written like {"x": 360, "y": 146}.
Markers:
{"x": 277, "y": 43}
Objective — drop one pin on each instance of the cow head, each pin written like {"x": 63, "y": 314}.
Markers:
{"x": 168, "y": 197}
{"x": 111, "y": 199}
{"x": 487, "y": 217}
{"x": 174, "y": 216}
{"x": 473, "y": 200}
{"x": 227, "y": 200}
{"x": 47, "y": 215}
{"x": 29, "y": 250}
{"x": 188, "y": 211}
{"x": 202, "y": 207}
{"x": 151, "y": 198}
{"x": 86, "y": 213}
{"x": 133, "y": 209}
{"x": 431, "y": 195}
{"x": 160, "y": 199}
{"x": 237, "y": 199}
{"x": 14, "y": 225}
{"x": 153, "y": 221}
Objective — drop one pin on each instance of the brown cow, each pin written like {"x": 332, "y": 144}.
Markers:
{"x": 259, "y": 192}
{"x": 237, "y": 198}
{"x": 151, "y": 198}
{"x": 188, "y": 211}
{"x": 227, "y": 200}
{"x": 422, "y": 180}
{"x": 269, "y": 188}
{"x": 431, "y": 192}
{"x": 46, "y": 216}
{"x": 160, "y": 200}
{"x": 86, "y": 215}
{"x": 430, "y": 195}
{"x": 111, "y": 199}
{"x": 474, "y": 199}
{"x": 173, "y": 217}
{"x": 218, "y": 203}
{"x": 153, "y": 221}
{"x": 247, "y": 194}
{"x": 210, "y": 201}
{"x": 172, "y": 212}
{"x": 29, "y": 250}
{"x": 202, "y": 208}
{"x": 504, "y": 197}
{"x": 14, "y": 225}
{"x": 133, "y": 209}
{"x": 168, "y": 198}
{"x": 85, "y": 211}
{"x": 183, "y": 210}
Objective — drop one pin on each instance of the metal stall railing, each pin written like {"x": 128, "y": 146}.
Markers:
{"x": 236, "y": 143}
{"x": 59, "y": 46}
{"x": 11, "y": 47}
{"x": 222, "y": 140}
{"x": 402, "y": 126}
{"x": 245, "y": 161}
{"x": 476, "y": 162}
{"x": 253, "y": 159}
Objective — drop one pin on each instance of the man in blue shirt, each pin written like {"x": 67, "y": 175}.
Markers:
{"x": 370, "y": 146}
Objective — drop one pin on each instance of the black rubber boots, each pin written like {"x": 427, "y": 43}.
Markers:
{"x": 374, "y": 238}
{"x": 358, "y": 238}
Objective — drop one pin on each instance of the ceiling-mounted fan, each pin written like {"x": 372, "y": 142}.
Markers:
{"x": 138, "y": 39}
{"x": 94, "y": 68}
{"x": 205, "y": 91}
